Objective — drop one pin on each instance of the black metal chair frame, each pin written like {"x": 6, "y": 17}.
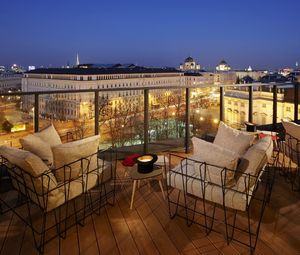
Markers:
{"x": 264, "y": 179}
{"x": 69, "y": 213}
{"x": 290, "y": 150}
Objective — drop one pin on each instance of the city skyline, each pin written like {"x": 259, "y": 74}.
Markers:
{"x": 261, "y": 34}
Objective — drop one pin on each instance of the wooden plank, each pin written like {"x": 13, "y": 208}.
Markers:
{"x": 174, "y": 232}
{"x": 87, "y": 236}
{"x": 160, "y": 238}
{"x": 104, "y": 234}
{"x": 15, "y": 236}
{"x": 5, "y": 222}
{"x": 70, "y": 244}
{"x": 28, "y": 246}
{"x": 137, "y": 228}
{"x": 121, "y": 231}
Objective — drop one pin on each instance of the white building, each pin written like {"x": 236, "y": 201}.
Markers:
{"x": 189, "y": 65}
{"x": 73, "y": 106}
{"x": 223, "y": 66}
{"x": 236, "y": 105}
{"x": 10, "y": 81}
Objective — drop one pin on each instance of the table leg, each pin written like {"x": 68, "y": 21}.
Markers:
{"x": 133, "y": 192}
{"x": 162, "y": 189}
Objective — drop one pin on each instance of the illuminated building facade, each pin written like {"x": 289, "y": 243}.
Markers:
{"x": 189, "y": 65}
{"x": 223, "y": 66}
{"x": 74, "y": 106}
{"x": 236, "y": 105}
{"x": 10, "y": 81}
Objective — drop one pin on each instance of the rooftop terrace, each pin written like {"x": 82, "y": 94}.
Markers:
{"x": 166, "y": 120}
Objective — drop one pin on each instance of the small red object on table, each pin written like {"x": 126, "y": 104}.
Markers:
{"x": 274, "y": 137}
{"x": 130, "y": 160}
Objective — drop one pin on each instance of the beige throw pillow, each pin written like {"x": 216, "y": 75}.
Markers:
{"x": 38, "y": 147}
{"x": 44, "y": 179}
{"x": 253, "y": 161}
{"x": 49, "y": 135}
{"x": 69, "y": 154}
{"x": 292, "y": 140}
{"x": 292, "y": 129}
{"x": 218, "y": 158}
{"x": 232, "y": 139}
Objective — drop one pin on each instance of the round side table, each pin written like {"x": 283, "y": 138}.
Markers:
{"x": 137, "y": 177}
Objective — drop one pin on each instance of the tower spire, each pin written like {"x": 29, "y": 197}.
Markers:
{"x": 77, "y": 60}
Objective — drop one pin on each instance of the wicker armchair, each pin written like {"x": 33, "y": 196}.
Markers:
{"x": 194, "y": 195}
{"x": 50, "y": 207}
{"x": 289, "y": 162}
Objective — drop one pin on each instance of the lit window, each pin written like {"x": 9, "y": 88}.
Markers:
{"x": 264, "y": 105}
{"x": 288, "y": 109}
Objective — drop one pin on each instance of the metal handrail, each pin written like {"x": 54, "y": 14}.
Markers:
{"x": 146, "y": 90}
{"x": 59, "y": 91}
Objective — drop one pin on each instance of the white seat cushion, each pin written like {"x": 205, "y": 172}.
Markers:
{"x": 213, "y": 193}
{"x": 233, "y": 139}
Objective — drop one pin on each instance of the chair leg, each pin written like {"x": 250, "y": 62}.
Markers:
{"x": 162, "y": 189}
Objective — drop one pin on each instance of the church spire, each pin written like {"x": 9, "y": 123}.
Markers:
{"x": 77, "y": 60}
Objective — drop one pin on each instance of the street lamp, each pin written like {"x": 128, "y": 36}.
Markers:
{"x": 32, "y": 117}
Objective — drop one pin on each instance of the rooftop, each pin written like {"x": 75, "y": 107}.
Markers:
{"x": 115, "y": 69}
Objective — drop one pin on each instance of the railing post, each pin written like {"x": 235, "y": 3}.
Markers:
{"x": 250, "y": 116}
{"x": 187, "y": 120}
{"x": 274, "y": 122}
{"x": 146, "y": 120}
{"x": 221, "y": 103}
{"x": 96, "y": 112}
{"x": 296, "y": 100}
{"x": 36, "y": 112}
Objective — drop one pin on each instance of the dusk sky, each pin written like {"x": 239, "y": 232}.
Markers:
{"x": 261, "y": 33}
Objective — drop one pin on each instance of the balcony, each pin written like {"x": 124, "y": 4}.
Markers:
{"x": 160, "y": 119}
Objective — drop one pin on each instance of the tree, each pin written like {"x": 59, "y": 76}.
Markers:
{"x": 80, "y": 127}
{"x": 7, "y": 126}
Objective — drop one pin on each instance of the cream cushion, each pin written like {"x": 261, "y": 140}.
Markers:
{"x": 292, "y": 140}
{"x": 218, "y": 158}
{"x": 71, "y": 153}
{"x": 233, "y": 139}
{"x": 49, "y": 135}
{"x": 253, "y": 161}
{"x": 38, "y": 147}
{"x": 192, "y": 184}
{"x": 41, "y": 187}
{"x": 292, "y": 129}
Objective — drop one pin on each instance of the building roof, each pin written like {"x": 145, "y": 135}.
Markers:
{"x": 223, "y": 62}
{"x": 192, "y": 74}
{"x": 189, "y": 59}
{"x": 116, "y": 69}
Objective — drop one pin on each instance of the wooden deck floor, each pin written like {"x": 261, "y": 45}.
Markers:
{"x": 147, "y": 229}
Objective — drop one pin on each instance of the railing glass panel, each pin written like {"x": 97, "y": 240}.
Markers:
{"x": 166, "y": 119}
{"x": 205, "y": 111}
{"x": 16, "y": 119}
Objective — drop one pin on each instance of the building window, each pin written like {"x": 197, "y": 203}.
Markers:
{"x": 264, "y": 106}
{"x": 288, "y": 109}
